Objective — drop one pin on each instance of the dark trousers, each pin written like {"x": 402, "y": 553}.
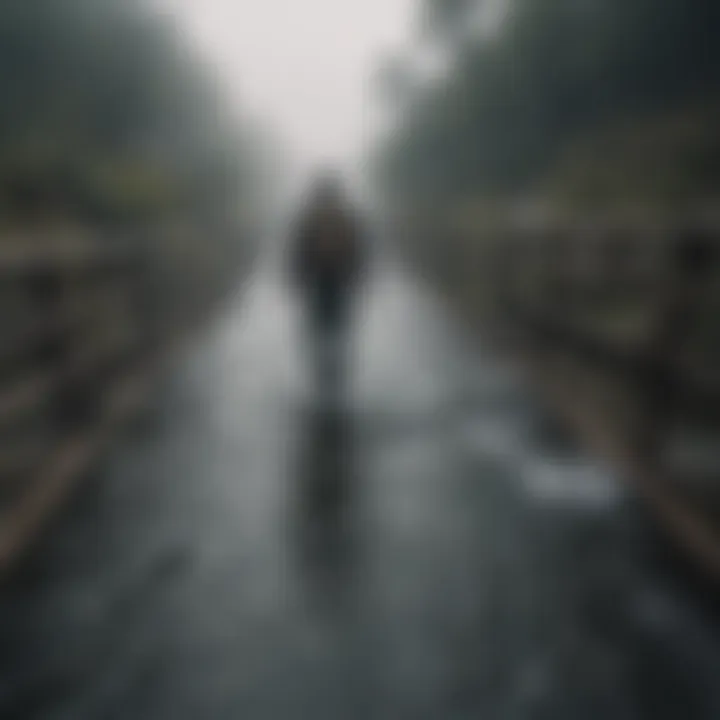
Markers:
{"x": 328, "y": 324}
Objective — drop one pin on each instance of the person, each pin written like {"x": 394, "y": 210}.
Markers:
{"x": 328, "y": 260}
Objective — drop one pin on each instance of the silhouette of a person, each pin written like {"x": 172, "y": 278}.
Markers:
{"x": 327, "y": 260}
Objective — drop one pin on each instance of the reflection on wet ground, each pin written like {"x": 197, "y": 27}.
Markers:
{"x": 327, "y": 505}
{"x": 421, "y": 550}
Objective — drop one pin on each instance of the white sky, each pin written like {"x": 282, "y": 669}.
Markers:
{"x": 305, "y": 65}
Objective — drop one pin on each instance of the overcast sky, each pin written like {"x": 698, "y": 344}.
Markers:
{"x": 303, "y": 64}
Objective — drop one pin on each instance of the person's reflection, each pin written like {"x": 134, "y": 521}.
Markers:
{"x": 327, "y": 505}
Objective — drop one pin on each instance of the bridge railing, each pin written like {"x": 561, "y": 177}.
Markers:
{"x": 618, "y": 323}
{"x": 83, "y": 325}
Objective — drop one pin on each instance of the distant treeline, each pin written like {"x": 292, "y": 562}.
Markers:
{"x": 106, "y": 116}
{"x": 536, "y": 93}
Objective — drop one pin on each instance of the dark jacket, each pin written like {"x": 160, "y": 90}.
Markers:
{"x": 328, "y": 254}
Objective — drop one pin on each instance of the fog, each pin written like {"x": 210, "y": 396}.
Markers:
{"x": 304, "y": 68}
{"x": 359, "y": 359}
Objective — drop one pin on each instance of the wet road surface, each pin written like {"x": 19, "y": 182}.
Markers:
{"x": 421, "y": 554}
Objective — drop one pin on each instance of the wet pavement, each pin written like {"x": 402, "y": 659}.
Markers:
{"x": 425, "y": 551}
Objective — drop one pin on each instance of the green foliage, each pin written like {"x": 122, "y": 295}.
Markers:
{"x": 106, "y": 116}
{"x": 673, "y": 160}
{"x": 556, "y": 72}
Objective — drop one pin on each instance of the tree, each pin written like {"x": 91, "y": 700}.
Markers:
{"x": 554, "y": 72}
